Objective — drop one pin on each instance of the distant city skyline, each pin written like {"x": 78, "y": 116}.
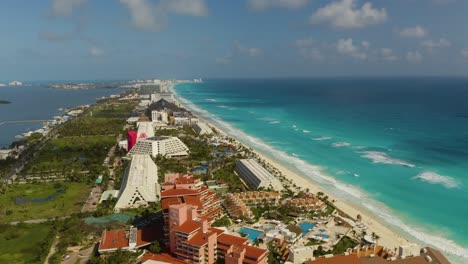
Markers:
{"x": 129, "y": 39}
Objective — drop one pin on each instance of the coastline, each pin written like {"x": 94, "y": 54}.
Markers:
{"x": 388, "y": 237}
{"x": 376, "y": 216}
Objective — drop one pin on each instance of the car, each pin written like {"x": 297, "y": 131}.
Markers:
{"x": 65, "y": 257}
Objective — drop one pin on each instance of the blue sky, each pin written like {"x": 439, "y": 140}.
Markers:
{"x": 127, "y": 39}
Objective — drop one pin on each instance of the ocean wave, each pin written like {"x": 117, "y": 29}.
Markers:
{"x": 296, "y": 155}
{"x": 340, "y": 144}
{"x": 274, "y": 122}
{"x": 211, "y": 100}
{"x": 343, "y": 191}
{"x": 381, "y": 157}
{"x": 434, "y": 178}
{"x": 294, "y": 126}
{"x": 321, "y": 138}
{"x": 306, "y": 131}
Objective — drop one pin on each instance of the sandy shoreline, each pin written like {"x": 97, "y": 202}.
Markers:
{"x": 388, "y": 238}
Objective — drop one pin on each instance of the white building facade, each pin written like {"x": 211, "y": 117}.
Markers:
{"x": 170, "y": 147}
{"x": 140, "y": 183}
{"x": 254, "y": 174}
{"x": 160, "y": 116}
{"x": 202, "y": 128}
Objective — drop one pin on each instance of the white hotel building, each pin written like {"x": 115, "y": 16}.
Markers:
{"x": 160, "y": 116}
{"x": 257, "y": 176}
{"x": 140, "y": 183}
{"x": 202, "y": 128}
{"x": 171, "y": 147}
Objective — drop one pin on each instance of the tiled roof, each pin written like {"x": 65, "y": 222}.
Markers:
{"x": 254, "y": 252}
{"x": 161, "y": 258}
{"x": 178, "y": 192}
{"x": 113, "y": 239}
{"x": 165, "y": 202}
{"x": 231, "y": 240}
{"x": 199, "y": 239}
{"x": 337, "y": 259}
{"x": 189, "y": 226}
{"x": 194, "y": 200}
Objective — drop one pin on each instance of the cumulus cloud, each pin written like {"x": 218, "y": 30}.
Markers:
{"x": 413, "y": 32}
{"x": 96, "y": 52}
{"x": 387, "y": 54}
{"x": 414, "y": 56}
{"x": 347, "y": 47}
{"x": 251, "y": 52}
{"x": 66, "y": 7}
{"x": 307, "y": 42}
{"x": 464, "y": 53}
{"x": 153, "y": 17}
{"x": 260, "y": 5}
{"x": 433, "y": 44}
{"x": 345, "y": 14}
{"x": 226, "y": 59}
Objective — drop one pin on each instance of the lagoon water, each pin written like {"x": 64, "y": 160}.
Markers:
{"x": 398, "y": 147}
{"x": 39, "y": 103}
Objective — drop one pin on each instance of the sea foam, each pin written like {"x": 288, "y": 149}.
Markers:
{"x": 345, "y": 191}
{"x": 434, "y": 178}
{"x": 340, "y": 144}
{"x": 381, "y": 157}
{"x": 321, "y": 138}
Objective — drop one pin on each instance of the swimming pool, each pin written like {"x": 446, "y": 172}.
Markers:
{"x": 305, "y": 226}
{"x": 252, "y": 234}
{"x": 322, "y": 235}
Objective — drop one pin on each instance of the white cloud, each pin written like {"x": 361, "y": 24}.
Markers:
{"x": 464, "y": 53}
{"x": 365, "y": 44}
{"x": 153, "y": 17}
{"x": 311, "y": 53}
{"x": 225, "y": 59}
{"x": 413, "y": 32}
{"x": 441, "y": 43}
{"x": 96, "y": 52}
{"x": 344, "y": 14}
{"x": 66, "y": 7}
{"x": 304, "y": 42}
{"x": 251, "y": 52}
{"x": 260, "y": 5}
{"x": 346, "y": 47}
{"x": 387, "y": 54}
{"x": 414, "y": 56}
{"x": 186, "y": 7}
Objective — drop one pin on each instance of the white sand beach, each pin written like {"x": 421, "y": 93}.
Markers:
{"x": 388, "y": 238}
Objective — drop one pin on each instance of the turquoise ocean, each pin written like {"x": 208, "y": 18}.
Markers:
{"x": 395, "y": 147}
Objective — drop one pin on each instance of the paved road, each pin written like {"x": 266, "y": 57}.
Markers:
{"x": 52, "y": 249}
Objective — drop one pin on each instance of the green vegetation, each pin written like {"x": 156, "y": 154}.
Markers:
{"x": 25, "y": 243}
{"x": 223, "y": 221}
{"x": 5, "y": 102}
{"x": 71, "y": 232}
{"x": 64, "y": 204}
{"x": 119, "y": 256}
{"x": 343, "y": 245}
{"x": 226, "y": 174}
{"x": 70, "y": 157}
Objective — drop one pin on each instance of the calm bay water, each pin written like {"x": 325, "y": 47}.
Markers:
{"x": 398, "y": 147}
{"x": 39, "y": 103}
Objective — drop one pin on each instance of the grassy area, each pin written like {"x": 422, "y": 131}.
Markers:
{"x": 343, "y": 245}
{"x": 25, "y": 243}
{"x": 64, "y": 204}
{"x": 65, "y": 156}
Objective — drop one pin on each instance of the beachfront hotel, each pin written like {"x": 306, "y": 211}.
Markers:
{"x": 145, "y": 130}
{"x": 202, "y": 128}
{"x": 179, "y": 181}
{"x": 140, "y": 183}
{"x": 171, "y": 147}
{"x": 306, "y": 204}
{"x": 192, "y": 239}
{"x": 131, "y": 239}
{"x": 160, "y": 116}
{"x": 205, "y": 201}
{"x": 255, "y": 175}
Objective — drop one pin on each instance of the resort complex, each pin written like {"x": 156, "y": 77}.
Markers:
{"x": 140, "y": 183}
{"x": 177, "y": 189}
{"x": 256, "y": 175}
